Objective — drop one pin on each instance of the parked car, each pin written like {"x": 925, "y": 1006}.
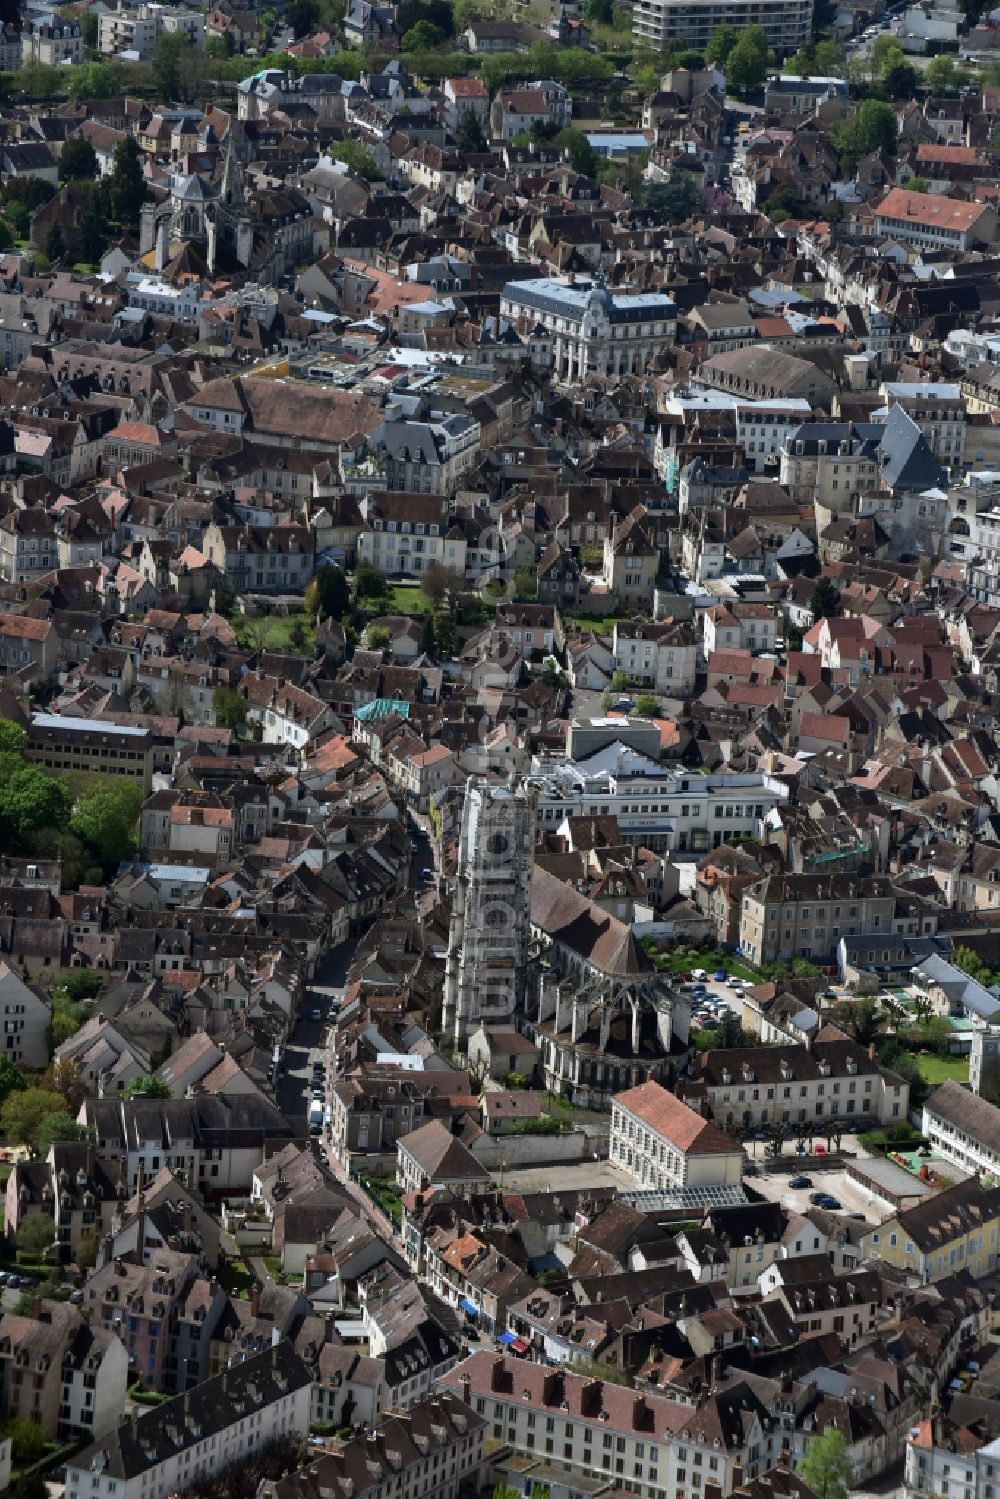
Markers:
{"x": 831, "y": 1204}
{"x": 317, "y": 1014}
{"x": 800, "y": 1183}
{"x": 720, "y": 975}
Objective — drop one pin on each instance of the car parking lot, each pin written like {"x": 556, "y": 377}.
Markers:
{"x": 849, "y": 1193}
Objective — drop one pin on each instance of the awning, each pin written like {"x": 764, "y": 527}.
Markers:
{"x": 507, "y": 1338}
{"x": 520, "y": 1346}
{"x": 467, "y": 1306}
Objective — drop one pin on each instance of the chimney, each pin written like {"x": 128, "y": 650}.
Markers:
{"x": 466, "y": 1382}
{"x": 871, "y": 1051}
{"x": 497, "y": 1372}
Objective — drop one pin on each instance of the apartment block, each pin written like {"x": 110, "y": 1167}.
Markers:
{"x": 652, "y": 1446}
{"x": 790, "y": 916}
{"x": 835, "y": 1079}
{"x": 163, "y": 1450}
{"x": 964, "y": 1128}
{"x": 661, "y": 23}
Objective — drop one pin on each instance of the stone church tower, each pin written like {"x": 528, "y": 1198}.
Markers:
{"x": 486, "y": 975}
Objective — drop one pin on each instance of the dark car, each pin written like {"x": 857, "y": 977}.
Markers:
{"x": 831, "y": 1204}
{"x": 816, "y": 1198}
{"x": 799, "y": 1183}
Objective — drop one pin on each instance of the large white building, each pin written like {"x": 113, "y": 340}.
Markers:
{"x": 935, "y": 1465}
{"x": 592, "y": 330}
{"x": 665, "y": 1145}
{"x": 659, "y": 23}
{"x": 223, "y": 1421}
{"x": 659, "y": 806}
{"x": 964, "y": 1128}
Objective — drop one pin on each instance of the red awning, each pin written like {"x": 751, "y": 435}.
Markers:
{"x": 520, "y": 1346}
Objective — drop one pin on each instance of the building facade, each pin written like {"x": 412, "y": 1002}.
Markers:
{"x": 665, "y": 1145}
{"x": 486, "y": 974}
{"x": 593, "y": 331}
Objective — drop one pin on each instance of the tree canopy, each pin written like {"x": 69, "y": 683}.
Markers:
{"x": 147, "y": 1087}
{"x": 826, "y": 1467}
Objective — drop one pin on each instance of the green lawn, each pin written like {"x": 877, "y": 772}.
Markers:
{"x": 602, "y": 625}
{"x": 676, "y": 963}
{"x": 275, "y": 633}
{"x": 237, "y": 1278}
{"x": 935, "y": 1070}
{"x": 407, "y": 598}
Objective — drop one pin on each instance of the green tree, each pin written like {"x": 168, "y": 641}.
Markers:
{"x": 35, "y": 1235}
{"x": 29, "y": 798}
{"x": 105, "y": 819}
{"x": 369, "y": 583}
{"x": 871, "y": 128}
{"x": 826, "y": 1467}
{"x": 89, "y": 28}
{"x": 67, "y": 1018}
{"x": 13, "y": 739}
{"x": 328, "y": 596}
{"x": 147, "y": 1087}
{"x": 470, "y": 133}
{"x": 77, "y": 159}
{"x": 22, "y": 1114}
{"x": 167, "y": 63}
{"x": 900, "y": 80}
{"x": 61, "y": 1126}
{"x": 445, "y": 634}
{"x": 861, "y": 1019}
{"x": 942, "y": 76}
{"x": 601, "y": 11}
{"x": 93, "y": 222}
{"x": 126, "y": 185}
{"x": 230, "y": 708}
{"x": 95, "y": 80}
{"x": 886, "y": 53}
{"x": 646, "y": 705}
{"x": 378, "y": 637}
{"x": 81, "y": 983}
{"x": 28, "y": 1440}
{"x": 674, "y": 200}
{"x": 917, "y": 184}
{"x": 55, "y": 245}
{"x": 971, "y": 963}
{"x": 39, "y": 80}
{"x": 354, "y": 155}
{"x": 302, "y": 16}
{"x": 578, "y": 151}
{"x": 12, "y": 1079}
{"x": 65, "y": 1078}
{"x": 423, "y": 37}
{"x": 746, "y": 67}
{"x": 825, "y": 601}
{"x": 720, "y": 45}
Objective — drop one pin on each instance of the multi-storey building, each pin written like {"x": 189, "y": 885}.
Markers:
{"x": 665, "y": 1145}
{"x": 965, "y": 1129}
{"x": 662, "y": 808}
{"x": 58, "y": 1372}
{"x": 938, "y": 1462}
{"x": 163, "y": 1450}
{"x": 935, "y": 221}
{"x": 955, "y": 1229}
{"x": 938, "y": 409}
{"x": 405, "y": 534}
{"x": 61, "y": 742}
{"x": 790, "y": 1085}
{"x": 655, "y": 1447}
{"x": 661, "y": 23}
{"x": 661, "y": 656}
{"x": 434, "y": 1449}
{"x": 593, "y": 330}
{"x": 790, "y": 916}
